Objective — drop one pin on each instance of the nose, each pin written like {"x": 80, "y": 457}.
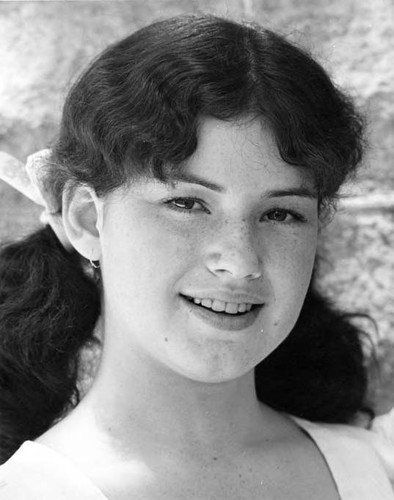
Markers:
{"x": 235, "y": 253}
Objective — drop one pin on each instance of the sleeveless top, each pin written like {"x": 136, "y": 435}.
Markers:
{"x": 361, "y": 463}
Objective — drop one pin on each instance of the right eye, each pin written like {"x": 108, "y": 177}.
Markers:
{"x": 187, "y": 205}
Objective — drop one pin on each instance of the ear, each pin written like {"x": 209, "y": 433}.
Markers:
{"x": 82, "y": 213}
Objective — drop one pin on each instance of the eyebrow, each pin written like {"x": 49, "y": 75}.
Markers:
{"x": 189, "y": 178}
{"x": 195, "y": 179}
{"x": 303, "y": 192}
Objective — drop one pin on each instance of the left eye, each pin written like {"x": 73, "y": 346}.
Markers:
{"x": 280, "y": 215}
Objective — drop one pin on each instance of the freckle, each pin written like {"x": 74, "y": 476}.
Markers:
{"x": 215, "y": 458}
{"x": 165, "y": 339}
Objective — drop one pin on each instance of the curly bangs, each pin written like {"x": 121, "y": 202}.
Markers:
{"x": 136, "y": 110}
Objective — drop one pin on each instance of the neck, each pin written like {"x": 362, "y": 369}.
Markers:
{"x": 145, "y": 401}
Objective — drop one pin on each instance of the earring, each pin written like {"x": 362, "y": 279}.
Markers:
{"x": 95, "y": 266}
{"x": 255, "y": 275}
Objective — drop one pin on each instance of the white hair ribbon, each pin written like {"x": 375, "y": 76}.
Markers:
{"x": 29, "y": 180}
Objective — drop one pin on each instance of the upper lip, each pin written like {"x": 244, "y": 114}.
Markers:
{"x": 233, "y": 296}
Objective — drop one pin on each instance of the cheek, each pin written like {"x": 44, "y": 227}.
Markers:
{"x": 293, "y": 256}
{"x": 299, "y": 262}
{"x": 290, "y": 268}
{"x": 147, "y": 254}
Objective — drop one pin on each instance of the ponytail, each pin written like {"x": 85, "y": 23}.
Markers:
{"x": 48, "y": 310}
{"x": 320, "y": 370}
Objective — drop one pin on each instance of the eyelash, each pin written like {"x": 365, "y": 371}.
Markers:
{"x": 171, "y": 203}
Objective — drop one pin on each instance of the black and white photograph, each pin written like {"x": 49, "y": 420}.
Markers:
{"x": 197, "y": 250}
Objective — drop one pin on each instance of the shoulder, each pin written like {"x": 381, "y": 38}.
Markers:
{"x": 360, "y": 460}
{"x": 36, "y": 472}
{"x": 382, "y": 435}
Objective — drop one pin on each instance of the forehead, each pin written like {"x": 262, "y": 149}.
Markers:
{"x": 241, "y": 153}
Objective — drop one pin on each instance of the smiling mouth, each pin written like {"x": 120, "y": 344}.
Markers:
{"x": 221, "y": 308}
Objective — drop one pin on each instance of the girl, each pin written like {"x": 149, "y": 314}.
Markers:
{"x": 195, "y": 162}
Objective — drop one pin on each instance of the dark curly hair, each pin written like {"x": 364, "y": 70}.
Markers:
{"x": 135, "y": 111}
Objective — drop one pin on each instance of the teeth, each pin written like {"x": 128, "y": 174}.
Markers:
{"x": 220, "y": 306}
{"x": 242, "y": 308}
{"x": 206, "y": 303}
{"x": 232, "y": 308}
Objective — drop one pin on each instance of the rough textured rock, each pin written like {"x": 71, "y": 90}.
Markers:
{"x": 357, "y": 272}
{"x": 44, "y": 45}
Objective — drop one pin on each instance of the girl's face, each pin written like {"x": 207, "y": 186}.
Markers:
{"x": 206, "y": 275}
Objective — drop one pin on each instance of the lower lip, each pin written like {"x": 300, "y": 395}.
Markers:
{"x": 223, "y": 321}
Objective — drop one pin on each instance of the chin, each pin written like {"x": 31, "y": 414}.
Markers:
{"x": 216, "y": 372}
{"x": 221, "y": 361}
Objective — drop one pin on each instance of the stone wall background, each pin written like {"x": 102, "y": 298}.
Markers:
{"x": 44, "y": 45}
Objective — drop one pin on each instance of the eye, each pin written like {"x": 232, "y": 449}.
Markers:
{"x": 282, "y": 215}
{"x": 186, "y": 205}
{"x": 278, "y": 215}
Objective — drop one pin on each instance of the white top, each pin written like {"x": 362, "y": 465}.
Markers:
{"x": 361, "y": 463}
